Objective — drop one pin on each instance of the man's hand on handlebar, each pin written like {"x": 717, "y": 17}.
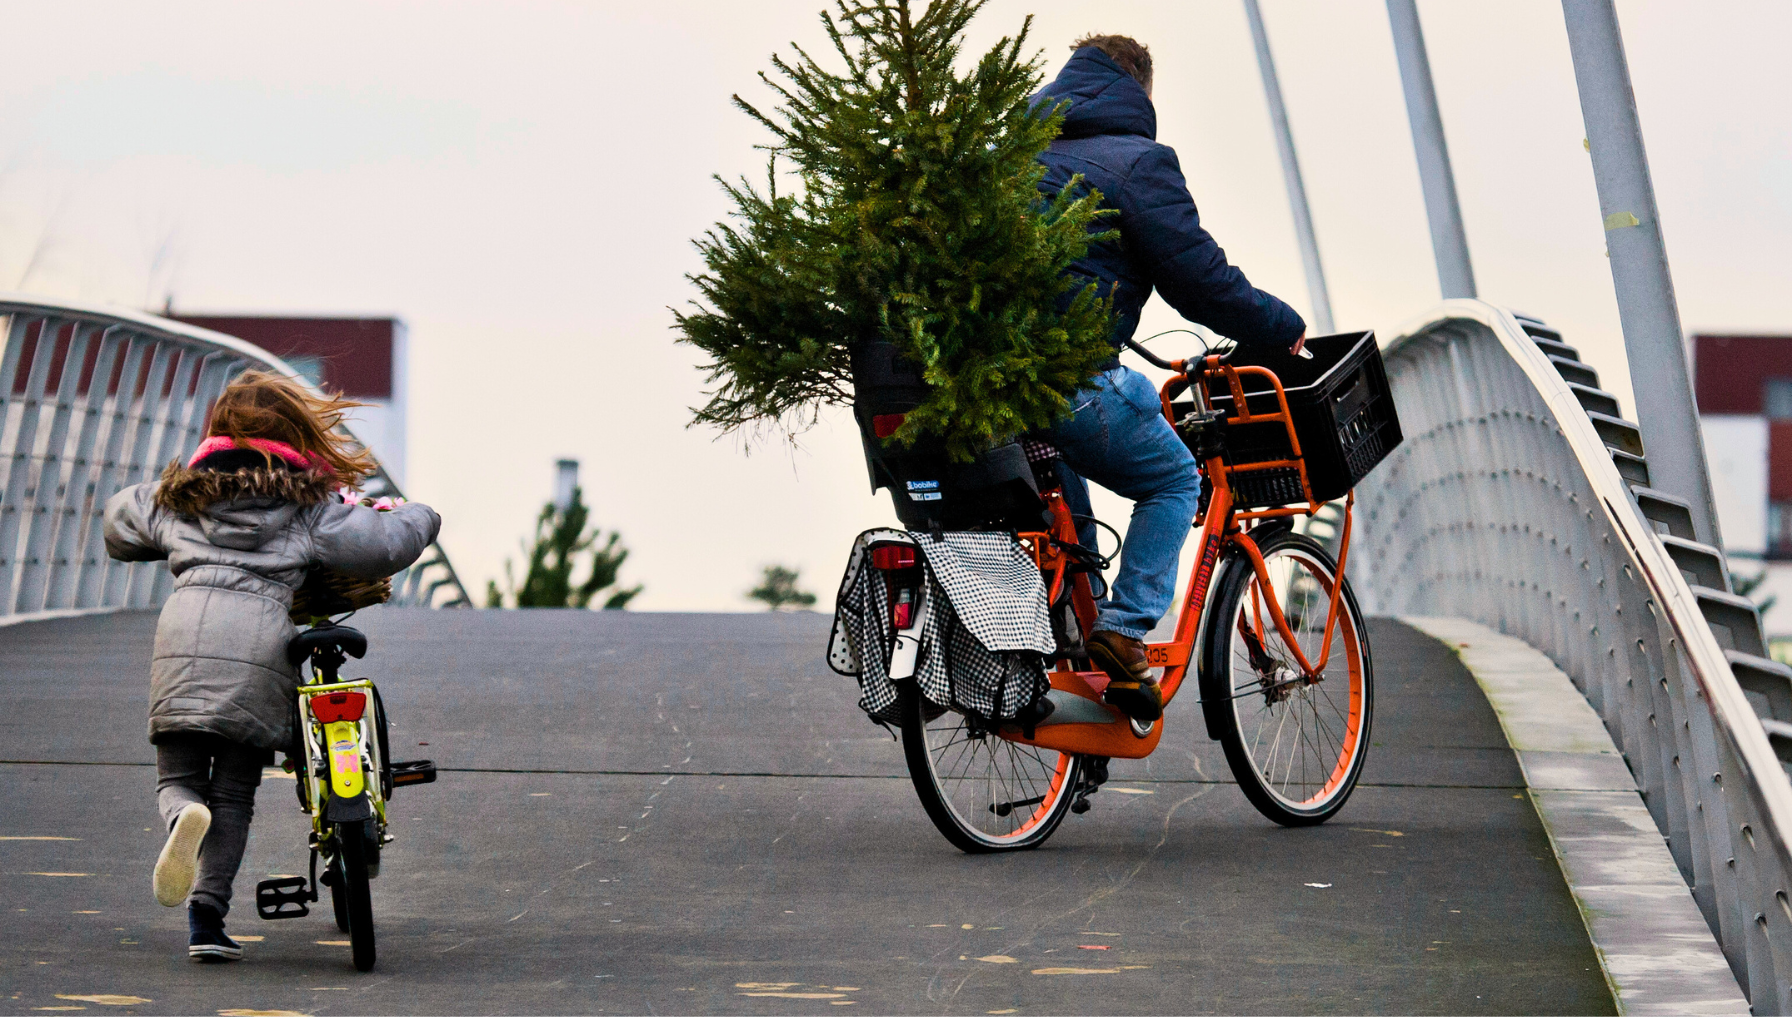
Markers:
{"x": 1299, "y": 347}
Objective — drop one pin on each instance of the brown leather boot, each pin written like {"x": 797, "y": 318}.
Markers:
{"x": 1131, "y": 688}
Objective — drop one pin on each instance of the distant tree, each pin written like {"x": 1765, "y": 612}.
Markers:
{"x": 777, "y": 589}
{"x": 1746, "y": 587}
{"x": 560, "y": 539}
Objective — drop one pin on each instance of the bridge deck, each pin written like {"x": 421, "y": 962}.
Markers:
{"x": 686, "y": 813}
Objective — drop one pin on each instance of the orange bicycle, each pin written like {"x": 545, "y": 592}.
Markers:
{"x": 1282, "y": 653}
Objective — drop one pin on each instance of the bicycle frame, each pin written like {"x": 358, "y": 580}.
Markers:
{"x": 1103, "y": 732}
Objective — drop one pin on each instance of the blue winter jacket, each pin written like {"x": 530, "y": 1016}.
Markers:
{"x": 1108, "y": 137}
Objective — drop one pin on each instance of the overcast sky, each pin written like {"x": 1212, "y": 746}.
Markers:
{"x": 520, "y": 182}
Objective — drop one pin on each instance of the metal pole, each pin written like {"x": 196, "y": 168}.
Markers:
{"x": 1646, "y": 308}
{"x": 1297, "y": 190}
{"x": 1449, "y": 243}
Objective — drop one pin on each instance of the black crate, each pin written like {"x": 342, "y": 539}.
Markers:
{"x": 996, "y": 490}
{"x": 1343, "y": 414}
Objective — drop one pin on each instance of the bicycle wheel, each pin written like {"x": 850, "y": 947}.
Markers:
{"x": 338, "y": 898}
{"x": 983, "y": 792}
{"x": 352, "y": 890}
{"x": 1296, "y": 745}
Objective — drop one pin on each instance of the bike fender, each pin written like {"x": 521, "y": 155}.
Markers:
{"x": 342, "y": 740}
{"x": 348, "y": 810}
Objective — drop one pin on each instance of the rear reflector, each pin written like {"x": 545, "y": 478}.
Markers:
{"x": 339, "y": 706}
{"x": 886, "y": 425}
{"x": 893, "y": 556}
{"x": 902, "y": 613}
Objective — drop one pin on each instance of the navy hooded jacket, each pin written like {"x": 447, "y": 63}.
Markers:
{"x": 1109, "y": 137}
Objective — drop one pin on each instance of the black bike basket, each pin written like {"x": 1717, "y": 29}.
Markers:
{"x": 1343, "y": 414}
{"x": 996, "y": 490}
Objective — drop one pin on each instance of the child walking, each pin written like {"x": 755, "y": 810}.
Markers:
{"x": 241, "y": 525}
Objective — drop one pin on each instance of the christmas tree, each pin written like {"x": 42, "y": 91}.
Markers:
{"x": 916, "y": 219}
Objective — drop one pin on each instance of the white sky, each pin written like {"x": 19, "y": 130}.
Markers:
{"x": 520, "y": 182}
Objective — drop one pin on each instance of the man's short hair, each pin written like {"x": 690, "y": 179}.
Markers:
{"x": 1129, "y": 53}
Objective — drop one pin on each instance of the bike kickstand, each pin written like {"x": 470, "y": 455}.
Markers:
{"x": 1095, "y": 774}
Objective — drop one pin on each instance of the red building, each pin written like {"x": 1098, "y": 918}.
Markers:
{"x": 365, "y": 359}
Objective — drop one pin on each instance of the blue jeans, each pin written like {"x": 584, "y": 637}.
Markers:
{"x": 1119, "y": 438}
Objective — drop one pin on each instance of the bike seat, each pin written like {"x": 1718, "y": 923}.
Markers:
{"x": 340, "y": 637}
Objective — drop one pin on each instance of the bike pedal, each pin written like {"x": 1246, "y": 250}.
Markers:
{"x": 283, "y": 898}
{"x": 416, "y": 771}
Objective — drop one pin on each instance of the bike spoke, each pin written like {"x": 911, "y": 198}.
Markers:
{"x": 1297, "y": 730}
{"x": 993, "y": 786}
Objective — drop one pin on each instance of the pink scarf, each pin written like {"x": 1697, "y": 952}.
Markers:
{"x": 222, "y": 443}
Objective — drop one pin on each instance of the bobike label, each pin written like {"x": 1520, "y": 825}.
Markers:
{"x": 924, "y": 490}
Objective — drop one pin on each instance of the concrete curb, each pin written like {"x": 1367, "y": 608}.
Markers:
{"x": 71, "y": 612}
{"x": 1658, "y": 954}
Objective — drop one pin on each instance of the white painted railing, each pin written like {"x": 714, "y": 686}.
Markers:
{"x": 1520, "y": 500}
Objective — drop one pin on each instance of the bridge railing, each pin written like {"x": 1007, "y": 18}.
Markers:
{"x": 92, "y": 400}
{"x": 1520, "y": 499}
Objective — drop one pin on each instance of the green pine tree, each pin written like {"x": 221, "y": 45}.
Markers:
{"x": 918, "y": 220}
{"x": 777, "y": 589}
{"x": 1746, "y": 587}
{"x": 560, "y": 538}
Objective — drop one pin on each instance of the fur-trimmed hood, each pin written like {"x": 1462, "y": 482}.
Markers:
{"x": 242, "y": 496}
{"x": 191, "y": 490}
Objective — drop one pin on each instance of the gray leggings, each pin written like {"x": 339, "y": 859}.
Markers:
{"x": 223, "y": 776}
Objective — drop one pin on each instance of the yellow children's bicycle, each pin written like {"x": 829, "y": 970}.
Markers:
{"x": 345, "y": 774}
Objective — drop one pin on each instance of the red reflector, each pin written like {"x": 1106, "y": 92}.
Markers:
{"x": 339, "y": 706}
{"x": 886, "y": 425}
{"x": 893, "y": 556}
{"x": 902, "y": 613}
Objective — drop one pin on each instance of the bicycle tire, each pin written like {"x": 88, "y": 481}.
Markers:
{"x": 339, "y": 900}
{"x": 985, "y": 767}
{"x": 351, "y": 873}
{"x": 1246, "y": 689}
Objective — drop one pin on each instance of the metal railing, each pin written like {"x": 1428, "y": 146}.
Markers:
{"x": 1520, "y": 499}
{"x": 92, "y": 400}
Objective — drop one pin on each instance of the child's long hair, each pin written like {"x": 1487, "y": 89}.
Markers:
{"x": 259, "y": 404}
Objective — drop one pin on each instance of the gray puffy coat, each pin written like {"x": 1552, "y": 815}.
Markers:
{"x": 239, "y": 544}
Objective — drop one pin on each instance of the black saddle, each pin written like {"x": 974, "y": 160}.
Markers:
{"x": 344, "y": 641}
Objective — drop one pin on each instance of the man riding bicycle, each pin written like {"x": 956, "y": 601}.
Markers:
{"x": 1117, "y": 435}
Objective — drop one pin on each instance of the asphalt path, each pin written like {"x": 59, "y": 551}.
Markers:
{"x": 663, "y": 813}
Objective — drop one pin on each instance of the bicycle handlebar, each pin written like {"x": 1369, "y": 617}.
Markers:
{"x": 1150, "y": 357}
{"x": 1179, "y": 366}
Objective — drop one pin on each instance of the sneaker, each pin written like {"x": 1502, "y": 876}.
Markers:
{"x": 1131, "y": 688}
{"x": 206, "y": 941}
{"x": 173, "y": 878}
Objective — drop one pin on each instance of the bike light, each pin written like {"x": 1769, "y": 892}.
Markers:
{"x": 893, "y": 556}
{"x": 886, "y": 424}
{"x": 339, "y": 706}
{"x": 902, "y": 613}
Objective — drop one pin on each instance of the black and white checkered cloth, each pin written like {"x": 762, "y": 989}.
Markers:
{"x": 983, "y": 646}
